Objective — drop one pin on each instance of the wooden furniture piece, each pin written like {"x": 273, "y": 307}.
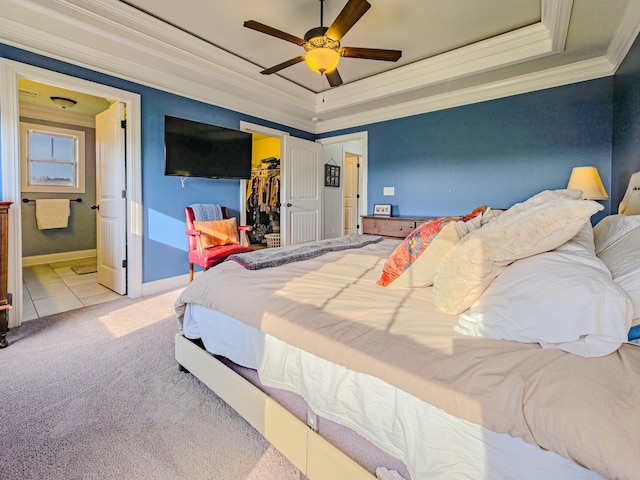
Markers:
{"x": 391, "y": 227}
{"x": 5, "y": 301}
{"x": 208, "y": 257}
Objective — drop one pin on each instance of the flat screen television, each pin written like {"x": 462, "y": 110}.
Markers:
{"x": 194, "y": 149}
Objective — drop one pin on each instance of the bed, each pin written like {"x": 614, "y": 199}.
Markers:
{"x": 442, "y": 378}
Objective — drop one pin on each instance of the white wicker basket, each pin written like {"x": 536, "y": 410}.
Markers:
{"x": 273, "y": 239}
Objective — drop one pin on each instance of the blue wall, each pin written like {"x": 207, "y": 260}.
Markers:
{"x": 494, "y": 153}
{"x": 626, "y": 123}
{"x": 164, "y": 199}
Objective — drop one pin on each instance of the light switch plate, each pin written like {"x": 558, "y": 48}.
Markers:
{"x": 388, "y": 191}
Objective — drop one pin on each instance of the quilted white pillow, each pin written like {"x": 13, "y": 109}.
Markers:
{"x": 541, "y": 223}
{"x": 562, "y": 299}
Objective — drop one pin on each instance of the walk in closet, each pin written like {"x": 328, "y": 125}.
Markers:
{"x": 263, "y": 190}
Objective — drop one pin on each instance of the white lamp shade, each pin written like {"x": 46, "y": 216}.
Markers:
{"x": 322, "y": 60}
{"x": 588, "y": 180}
{"x": 630, "y": 204}
{"x": 632, "y": 207}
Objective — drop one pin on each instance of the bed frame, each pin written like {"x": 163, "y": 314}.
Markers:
{"x": 315, "y": 457}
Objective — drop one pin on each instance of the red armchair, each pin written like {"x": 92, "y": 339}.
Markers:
{"x": 208, "y": 257}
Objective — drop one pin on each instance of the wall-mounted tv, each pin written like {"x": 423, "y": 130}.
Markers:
{"x": 194, "y": 149}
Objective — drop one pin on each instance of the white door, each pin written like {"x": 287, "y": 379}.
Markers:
{"x": 350, "y": 194}
{"x": 301, "y": 195}
{"x": 110, "y": 199}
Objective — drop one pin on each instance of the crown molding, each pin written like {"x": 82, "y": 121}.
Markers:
{"x": 111, "y": 37}
{"x": 547, "y": 37}
{"x": 190, "y": 68}
{"x": 622, "y": 41}
{"x": 162, "y": 40}
{"x": 553, "y": 77}
{"x": 519, "y": 45}
{"x": 114, "y": 38}
{"x": 556, "y": 16}
{"x": 625, "y": 35}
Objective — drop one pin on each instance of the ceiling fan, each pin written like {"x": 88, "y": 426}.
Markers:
{"x": 322, "y": 44}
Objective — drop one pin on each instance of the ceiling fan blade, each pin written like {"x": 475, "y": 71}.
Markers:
{"x": 274, "y": 32}
{"x": 282, "y": 65}
{"x": 350, "y": 14}
{"x": 334, "y": 78}
{"x": 371, "y": 53}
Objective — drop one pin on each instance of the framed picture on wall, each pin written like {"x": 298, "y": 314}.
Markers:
{"x": 331, "y": 175}
{"x": 382, "y": 210}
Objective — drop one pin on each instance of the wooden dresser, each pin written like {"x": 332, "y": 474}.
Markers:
{"x": 392, "y": 227}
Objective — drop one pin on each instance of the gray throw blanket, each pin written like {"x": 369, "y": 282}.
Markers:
{"x": 206, "y": 211}
{"x": 273, "y": 257}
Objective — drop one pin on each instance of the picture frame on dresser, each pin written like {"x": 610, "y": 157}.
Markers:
{"x": 381, "y": 210}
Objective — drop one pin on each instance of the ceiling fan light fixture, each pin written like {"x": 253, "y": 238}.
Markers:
{"x": 63, "y": 102}
{"x": 322, "y": 59}
{"x": 322, "y": 44}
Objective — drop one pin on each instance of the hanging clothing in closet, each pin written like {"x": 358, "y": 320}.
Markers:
{"x": 263, "y": 200}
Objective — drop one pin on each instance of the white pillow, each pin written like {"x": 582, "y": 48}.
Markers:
{"x": 581, "y": 241}
{"x": 562, "y": 299}
{"x": 622, "y": 258}
{"x": 542, "y": 223}
{"x": 613, "y": 227}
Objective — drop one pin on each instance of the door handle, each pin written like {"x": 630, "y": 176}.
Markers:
{"x": 288, "y": 205}
{"x": 95, "y": 207}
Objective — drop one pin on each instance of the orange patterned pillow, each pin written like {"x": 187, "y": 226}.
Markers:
{"x": 416, "y": 243}
{"x": 217, "y": 232}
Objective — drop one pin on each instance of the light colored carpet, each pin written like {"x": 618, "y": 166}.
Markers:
{"x": 96, "y": 393}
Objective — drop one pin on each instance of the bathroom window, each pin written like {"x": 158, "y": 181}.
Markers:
{"x": 52, "y": 159}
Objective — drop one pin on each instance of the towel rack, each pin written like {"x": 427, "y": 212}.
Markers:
{"x": 26, "y": 200}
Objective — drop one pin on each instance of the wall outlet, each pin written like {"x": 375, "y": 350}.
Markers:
{"x": 388, "y": 191}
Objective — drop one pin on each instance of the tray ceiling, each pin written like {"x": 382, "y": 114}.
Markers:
{"x": 453, "y": 52}
{"x": 421, "y": 29}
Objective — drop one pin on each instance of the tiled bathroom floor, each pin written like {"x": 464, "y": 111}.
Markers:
{"x": 55, "y": 288}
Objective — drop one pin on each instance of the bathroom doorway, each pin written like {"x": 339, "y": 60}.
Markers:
{"x": 59, "y": 255}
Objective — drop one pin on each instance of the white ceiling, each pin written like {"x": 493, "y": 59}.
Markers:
{"x": 454, "y": 52}
{"x": 420, "y": 28}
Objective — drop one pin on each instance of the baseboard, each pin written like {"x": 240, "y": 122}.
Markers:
{"x": 166, "y": 284}
{"x": 57, "y": 257}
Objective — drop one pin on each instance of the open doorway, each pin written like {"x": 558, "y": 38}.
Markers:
{"x": 59, "y": 187}
{"x": 300, "y": 192}
{"x": 13, "y": 72}
{"x": 344, "y": 206}
{"x": 263, "y": 191}
{"x": 58, "y": 169}
{"x": 351, "y": 193}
